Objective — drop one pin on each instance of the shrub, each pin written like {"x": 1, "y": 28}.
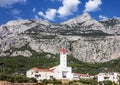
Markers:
{"x": 109, "y": 83}
{"x": 88, "y": 81}
{"x": 53, "y": 81}
{"x": 17, "y": 78}
{"x": 56, "y": 81}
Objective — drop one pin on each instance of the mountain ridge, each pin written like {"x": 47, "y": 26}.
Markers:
{"x": 85, "y": 38}
{"x": 84, "y": 19}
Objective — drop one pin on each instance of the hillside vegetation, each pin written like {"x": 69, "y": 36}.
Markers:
{"x": 19, "y": 64}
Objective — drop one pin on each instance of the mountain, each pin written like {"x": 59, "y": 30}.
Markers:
{"x": 85, "y": 38}
{"x": 84, "y": 22}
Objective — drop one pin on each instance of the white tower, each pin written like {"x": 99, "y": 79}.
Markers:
{"x": 63, "y": 58}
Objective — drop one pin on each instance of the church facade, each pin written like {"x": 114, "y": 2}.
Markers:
{"x": 61, "y": 71}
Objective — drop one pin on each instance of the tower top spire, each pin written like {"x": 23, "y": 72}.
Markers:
{"x": 63, "y": 50}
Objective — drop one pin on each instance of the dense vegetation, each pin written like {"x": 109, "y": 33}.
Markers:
{"x": 16, "y": 78}
{"x": 76, "y": 82}
{"x": 53, "y": 81}
{"x": 94, "y": 68}
{"x": 84, "y": 82}
{"x": 19, "y": 64}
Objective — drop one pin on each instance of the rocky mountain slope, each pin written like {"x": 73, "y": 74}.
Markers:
{"x": 84, "y": 37}
{"x": 112, "y": 25}
{"x": 84, "y": 22}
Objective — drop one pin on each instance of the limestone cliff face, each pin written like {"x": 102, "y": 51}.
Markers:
{"x": 85, "y": 38}
{"x": 97, "y": 49}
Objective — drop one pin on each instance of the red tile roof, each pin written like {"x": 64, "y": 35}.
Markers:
{"x": 85, "y": 75}
{"x": 52, "y": 68}
{"x": 41, "y": 70}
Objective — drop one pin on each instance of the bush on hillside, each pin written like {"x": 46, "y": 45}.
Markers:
{"x": 109, "y": 83}
{"x": 17, "y": 78}
{"x": 52, "y": 81}
{"x": 88, "y": 81}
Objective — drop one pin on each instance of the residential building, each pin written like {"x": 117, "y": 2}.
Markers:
{"x": 113, "y": 76}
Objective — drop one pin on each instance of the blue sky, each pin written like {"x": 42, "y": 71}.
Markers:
{"x": 57, "y": 11}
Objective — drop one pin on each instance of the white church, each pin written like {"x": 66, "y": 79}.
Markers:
{"x": 60, "y": 71}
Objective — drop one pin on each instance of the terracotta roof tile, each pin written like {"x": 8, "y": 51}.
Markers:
{"x": 85, "y": 75}
{"x": 41, "y": 70}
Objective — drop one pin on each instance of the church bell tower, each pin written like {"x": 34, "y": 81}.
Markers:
{"x": 63, "y": 57}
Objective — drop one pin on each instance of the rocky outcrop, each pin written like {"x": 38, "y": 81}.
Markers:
{"x": 97, "y": 49}
{"x": 24, "y": 53}
{"x": 112, "y": 25}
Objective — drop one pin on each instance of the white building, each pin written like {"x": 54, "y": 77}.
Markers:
{"x": 108, "y": 76}
{"x": 59, "y": 72}
{"x": 77, "y": 76}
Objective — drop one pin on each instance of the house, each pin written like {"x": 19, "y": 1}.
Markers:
{"x": 86, "y": 76}
{"x": 61, "y": 71}
{"x": 77, "y": 76}
{"x": 113, "y": 76}
{"x": 40, "y": 73}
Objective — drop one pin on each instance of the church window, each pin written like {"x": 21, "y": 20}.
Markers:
{"x": 51, "y": 77}
{"x": 37, "y": 75}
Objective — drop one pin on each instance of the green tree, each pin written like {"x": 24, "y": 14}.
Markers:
{"x": 109, "y": 83}
{"x": 88, "y": 81}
